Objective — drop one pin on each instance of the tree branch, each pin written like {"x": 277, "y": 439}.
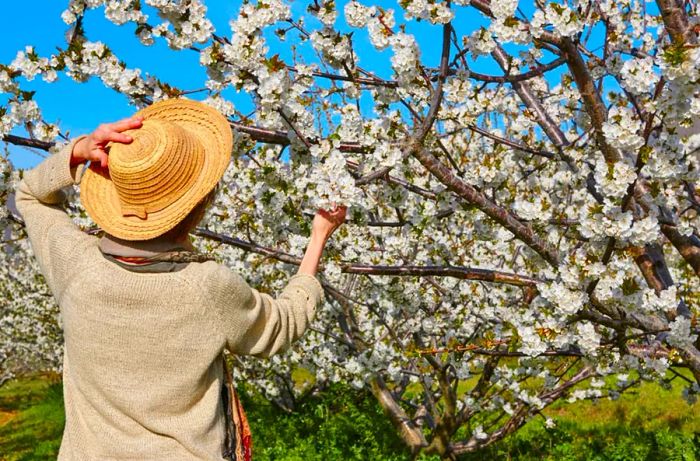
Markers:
{"x": 676, "y": 22}
{"x": 519, "y": 418}
{"x": 410, "y": 433}
{"x": 464, "y": 273}
{"x": 499, "y": 214}
{"x": 417, "y": 140}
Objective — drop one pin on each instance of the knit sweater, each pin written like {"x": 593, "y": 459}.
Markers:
{"x": 142, "y": 371}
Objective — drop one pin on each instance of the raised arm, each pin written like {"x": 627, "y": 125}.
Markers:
{"x": 57, "y": 242}
{"x": 255, "y": 323}
{"x": 323, "y": 226}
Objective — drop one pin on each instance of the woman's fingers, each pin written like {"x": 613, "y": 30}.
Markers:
{"x": 98, "y": 156}
{"x": 95, "y": 148}
{"x": 327, "y": 221}
{"x": 103, "y": 158}
{"x": 112, "y": 131}
{"x": 126, "y": 124}
{"x": 106, "y": 134}
{"x": 339, "y": 211}
{"x": 120, "y": 137}
{"x": 336, "y": 215}
{"x": 334, "y": 210}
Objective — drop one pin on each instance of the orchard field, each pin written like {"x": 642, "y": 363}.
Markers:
{"x": 519, "y": 273}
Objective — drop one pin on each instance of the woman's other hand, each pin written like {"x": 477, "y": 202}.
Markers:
{"x": 327, "y": 221}
{"x": 324, "y": 224}
{"x": 92, "y": 147}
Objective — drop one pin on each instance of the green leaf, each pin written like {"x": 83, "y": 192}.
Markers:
{"x": 645, "y": 153}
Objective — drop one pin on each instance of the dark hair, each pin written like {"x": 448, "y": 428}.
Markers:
{"x": 193, "y": 218}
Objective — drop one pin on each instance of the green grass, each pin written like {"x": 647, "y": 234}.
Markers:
{"x": 645, "y": 423}
{"x": 340, "y": 424}
{"x": 649, "y": 423}
{"x": 570, "y": 441}
{"x": 649, "y": 407}
{"x": 31, "y": 419}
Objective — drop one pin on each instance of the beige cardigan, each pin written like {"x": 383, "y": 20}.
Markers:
{"x": 142, "y": 373}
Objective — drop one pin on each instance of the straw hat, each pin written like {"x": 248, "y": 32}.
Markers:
{"x": 175, "y": 159}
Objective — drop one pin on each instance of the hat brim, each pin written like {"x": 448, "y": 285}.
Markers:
{"x": 99, "y": 195}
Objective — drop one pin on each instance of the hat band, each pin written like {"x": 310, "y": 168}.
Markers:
{"x": 134, "y": 210}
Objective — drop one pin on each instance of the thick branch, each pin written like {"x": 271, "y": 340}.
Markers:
{"x": 595, "y": 107}
{"x": 464, "y": 273}
{"x": 27, "y": 142}
{"x": 497, "y": 213}
{"x": 676, "y": 21}
{"x": 410, "y": 433}
{"x": 688, "y": 247}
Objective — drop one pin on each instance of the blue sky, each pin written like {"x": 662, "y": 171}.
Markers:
{"x": 80, "y": 107}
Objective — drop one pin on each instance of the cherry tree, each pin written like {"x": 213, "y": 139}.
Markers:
{"x": 522, "y": 181}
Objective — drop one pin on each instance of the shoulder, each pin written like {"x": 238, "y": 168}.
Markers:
{"x": 215, "y": 272}
{"x": 219, "y": 279}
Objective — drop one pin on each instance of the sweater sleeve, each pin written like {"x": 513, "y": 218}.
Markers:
{"x": 258, "y": 324}
{"x": 56, "y": 241}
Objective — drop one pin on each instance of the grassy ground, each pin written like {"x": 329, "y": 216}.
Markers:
{"x": 650, "y": 423}
{"x": 31, "y": 418}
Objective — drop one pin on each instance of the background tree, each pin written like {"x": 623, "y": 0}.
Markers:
{"x": 522, "y": 183}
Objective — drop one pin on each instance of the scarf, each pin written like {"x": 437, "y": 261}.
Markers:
{"x": 155, "y": 255}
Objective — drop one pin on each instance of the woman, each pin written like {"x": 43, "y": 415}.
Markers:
{"x": 145, "y": 318}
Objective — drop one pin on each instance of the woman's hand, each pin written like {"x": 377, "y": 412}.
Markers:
{"x": 326, "y": 222}
{"x": 92, "y": 147}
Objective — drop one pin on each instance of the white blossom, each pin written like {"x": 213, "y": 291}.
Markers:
{"x": 357, "y": 15}
{"x": 680, "y": 334}
{"x": 638, "y": 75}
